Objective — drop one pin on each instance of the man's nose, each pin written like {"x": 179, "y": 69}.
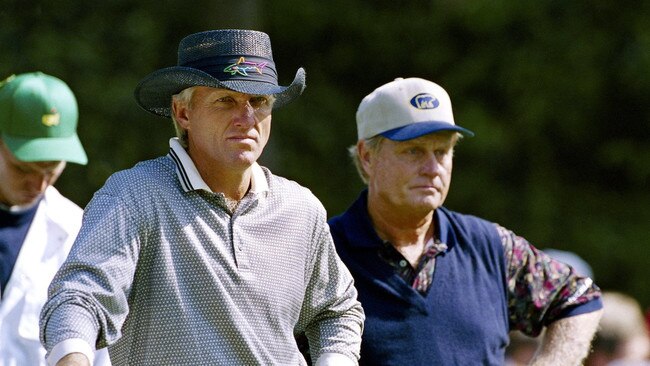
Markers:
{"x": 245, "y": 116}
{"x": 431, "y": 165}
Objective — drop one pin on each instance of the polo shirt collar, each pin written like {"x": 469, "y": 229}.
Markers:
{"x": 190, "y": 178}
{"x": 358, "y": 226}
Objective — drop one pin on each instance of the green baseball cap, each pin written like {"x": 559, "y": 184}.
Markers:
{"x": 38, "y": 119}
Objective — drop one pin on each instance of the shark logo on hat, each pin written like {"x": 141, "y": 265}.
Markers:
{"x": 51, "y": 119}
{"x": 242, "y": 67}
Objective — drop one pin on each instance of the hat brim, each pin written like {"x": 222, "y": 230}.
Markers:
{"x": 415, "y": 130}
{"x": 47, "y": 149}
{"x": 154, "y": 92}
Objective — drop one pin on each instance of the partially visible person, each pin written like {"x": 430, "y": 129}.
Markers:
{"x": 622, "y": 338}
{"x": 440, "y": 287}
{"x": 38, "y": 122}
{"x": 202, "y": 256}
{"x": 572, "y": 259}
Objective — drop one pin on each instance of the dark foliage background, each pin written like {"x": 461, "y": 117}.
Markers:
{"x": 556, "y": 92}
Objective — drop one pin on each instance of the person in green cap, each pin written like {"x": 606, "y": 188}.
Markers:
{"x": 38, "y": 136}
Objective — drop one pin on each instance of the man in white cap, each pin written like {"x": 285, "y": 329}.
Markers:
{"x": 202, "y": 256}
{"x": 38, "y": 126}
{"x": 439, "y": 287}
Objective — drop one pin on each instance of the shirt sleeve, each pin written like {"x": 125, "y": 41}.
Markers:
{"x": 331, "y": 316}
{"x": 68, "y": 346}
{"x": 88, "y": 296}
{"x": 542, "y": 290}
{"x": 334, "y": 359}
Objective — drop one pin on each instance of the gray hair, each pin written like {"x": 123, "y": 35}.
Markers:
{"x": 372, "y": 144}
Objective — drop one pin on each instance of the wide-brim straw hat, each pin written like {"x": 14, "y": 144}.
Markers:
{"x": 235, "y": 59}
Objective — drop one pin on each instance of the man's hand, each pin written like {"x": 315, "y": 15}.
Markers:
{"x": 567, "y": 341}
{"x": 74, "y": 359}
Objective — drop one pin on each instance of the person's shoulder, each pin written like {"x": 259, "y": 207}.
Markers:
{"x": 470, "y": 224}
{"x": 356, "y": 212}
{"x": 61, "y": 209}
{"x": 465, "y": 217}
{"x": 149, "y": 169}
{"x": 288, "y": 189}
{"x": 282, "y": 184}
{"x": 142, "y": 176}
{"x": 54, "y": 198}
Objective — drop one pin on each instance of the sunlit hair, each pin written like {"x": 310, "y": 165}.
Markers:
{"x": 372, "y": 144}
{"x": 185, "y": 97}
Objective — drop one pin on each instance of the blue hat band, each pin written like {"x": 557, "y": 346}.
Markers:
{"x": 249, "y": 68}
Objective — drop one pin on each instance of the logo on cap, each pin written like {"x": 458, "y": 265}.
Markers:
{"x": 51, "y": 119}
{"x": 242, "y": 67}
{"x": 425, "y": 101}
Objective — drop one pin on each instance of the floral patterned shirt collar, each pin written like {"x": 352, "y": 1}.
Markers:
{"x": 421, "y": 277}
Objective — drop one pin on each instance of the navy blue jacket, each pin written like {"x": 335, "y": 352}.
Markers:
{"x": 463, "y": 320}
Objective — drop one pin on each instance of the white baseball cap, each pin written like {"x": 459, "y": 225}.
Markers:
{"x": 405, "y": 109}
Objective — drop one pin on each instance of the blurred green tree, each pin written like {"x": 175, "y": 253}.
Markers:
{"x": 556, "y": 92}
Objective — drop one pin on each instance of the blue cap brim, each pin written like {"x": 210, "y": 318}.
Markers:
{"x": 418, "y": 129}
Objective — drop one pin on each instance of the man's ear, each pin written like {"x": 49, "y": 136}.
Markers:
{"x": 365, "y": 154}
{"x": 180, "y": 111}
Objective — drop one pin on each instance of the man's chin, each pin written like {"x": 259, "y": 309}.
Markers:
{"x": 429, "y": 203}
{"x": 21, "y": 204}
{"x": 29, "y": 200}
{"x": 247, "y": 158}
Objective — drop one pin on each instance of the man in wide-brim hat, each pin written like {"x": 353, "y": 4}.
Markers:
{"x": 214, "y": 259}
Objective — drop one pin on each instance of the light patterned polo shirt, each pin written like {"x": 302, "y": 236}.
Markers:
{"x": 164, "y": 274}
